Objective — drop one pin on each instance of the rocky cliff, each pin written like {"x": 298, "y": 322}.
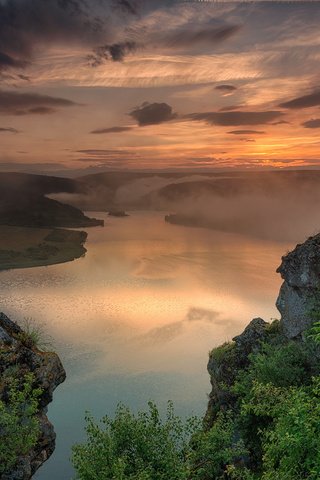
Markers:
{"x": 300, "y": 292}
{"x": 299, "y": 305}
{"x": 19, "y": 356}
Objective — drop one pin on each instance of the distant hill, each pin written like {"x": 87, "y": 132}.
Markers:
{"x": 36, "y": 184}
{"x": 23, "y": 202}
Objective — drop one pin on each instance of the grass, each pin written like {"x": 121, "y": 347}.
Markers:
{"x": 34, "y": 336}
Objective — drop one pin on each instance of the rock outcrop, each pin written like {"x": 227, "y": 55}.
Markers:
{"x": 18, "y": 354}
{"x": 300, "y": 292}
{"x": 298, "y": 302}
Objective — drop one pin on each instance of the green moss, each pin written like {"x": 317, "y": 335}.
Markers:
{"x": 223, "y": 353}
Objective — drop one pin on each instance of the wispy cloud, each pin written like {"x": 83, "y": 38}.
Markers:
{"x": 305, "y": 101}
{"x": 100, "y": 131}
{"x": 8, "y": 130}
{"x": 18, "y": 103}
{"x": 235, "y": 118}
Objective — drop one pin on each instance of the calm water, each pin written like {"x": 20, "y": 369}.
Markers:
{"x": 135, "y": 318}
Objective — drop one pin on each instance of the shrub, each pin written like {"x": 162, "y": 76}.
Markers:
{"x": 291, "y": 443}
{"x": 216, "y": 450}
{"x": 19, "y": 427}
{"x": 141, "y": 447}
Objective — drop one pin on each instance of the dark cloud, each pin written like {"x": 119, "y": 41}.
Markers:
{"x": 111, "y": 130}
{"x": 126, "y": 6}
{"x": 8, "y": 130}
{"x": 230, "y": 108}
{"x": 306, "y": 101}
{"x": 115, "y": 52}
{"x": 152, "y": 113}
{"x": 226, "y": 89}
{"x": 27, "y": 24}
{"x": 246, "y": 132}
{"x": 6, "y": 61}
{"x": 314, "y": 123}
{"x": 235, "y": 118}
{"x": 16, "y": 103}
{"x": 209, "y": 35}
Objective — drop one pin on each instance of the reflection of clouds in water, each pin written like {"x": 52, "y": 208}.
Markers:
{"x": 172, "y": 330}
{"x": 198, "y": 314}
{"x": 168, "y": 266}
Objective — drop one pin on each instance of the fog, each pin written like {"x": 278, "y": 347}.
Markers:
{"x": 282, "y": 206}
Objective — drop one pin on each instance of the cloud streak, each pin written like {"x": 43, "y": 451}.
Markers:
{"x": 314, "y": 123}
{"x": 100, "y": 131}
{"x": 246, "y": 132}
{"x": 306, "y": 101}
{"x": 18, "y": 103}
{"x": 8, "y": 130}
{"x": 235, "y": 118}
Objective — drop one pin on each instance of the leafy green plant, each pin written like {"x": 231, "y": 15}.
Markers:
{"x": 314, "y": 332}
{"x": 19, "y": 426}
{"x": 135, "y": 447}
{"x": 269, "y": 430}
{"x": 215, "y": 451}
{"x": 291, "y": 442}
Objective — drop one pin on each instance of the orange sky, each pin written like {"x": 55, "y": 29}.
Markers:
{"x": 158, "y": 85}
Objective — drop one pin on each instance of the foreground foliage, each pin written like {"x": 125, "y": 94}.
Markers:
{"x": 141, "y": 447}
{"x": 19, "y": 427}
{"x": 270, "y": 432}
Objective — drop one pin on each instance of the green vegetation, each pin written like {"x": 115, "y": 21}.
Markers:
{"x": 141, "y": 447}
{"x": 222, "y": 352}
{"x": 270, "y": 431}
{"x": 19, "y": 426}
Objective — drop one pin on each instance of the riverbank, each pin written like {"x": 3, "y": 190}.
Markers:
{"x": 25, "y": 247}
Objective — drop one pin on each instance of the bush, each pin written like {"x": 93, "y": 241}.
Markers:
{"x": 291, "y": 443}
{"x": 270, "y": 430}
{"x": 141, "y": 447}
{"x": 215, "y": 450}
{"x": 19, "y": 427}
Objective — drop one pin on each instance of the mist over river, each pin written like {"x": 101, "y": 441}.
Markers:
{"x": 135, "y": 318}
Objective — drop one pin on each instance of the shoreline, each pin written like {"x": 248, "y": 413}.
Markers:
{"x": 39, "y": 247}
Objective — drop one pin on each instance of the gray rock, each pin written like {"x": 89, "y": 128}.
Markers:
{"x": 249, "y": 340}
{"x": 300, "y": 291}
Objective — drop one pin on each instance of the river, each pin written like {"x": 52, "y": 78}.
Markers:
{"x": 135, "y": 318}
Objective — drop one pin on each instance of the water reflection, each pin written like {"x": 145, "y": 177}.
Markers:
{"x": 135, "y": 318}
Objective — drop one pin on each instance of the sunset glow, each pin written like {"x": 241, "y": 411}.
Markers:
{"x": 239, "y": 82}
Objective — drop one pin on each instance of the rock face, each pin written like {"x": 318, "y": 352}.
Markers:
{"x": 17, "y": 352}
{"x": 300, "y": 292}
{"x": 298, "y": 300}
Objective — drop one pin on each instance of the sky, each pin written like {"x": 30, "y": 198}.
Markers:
{"x": 98, "y": 85}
